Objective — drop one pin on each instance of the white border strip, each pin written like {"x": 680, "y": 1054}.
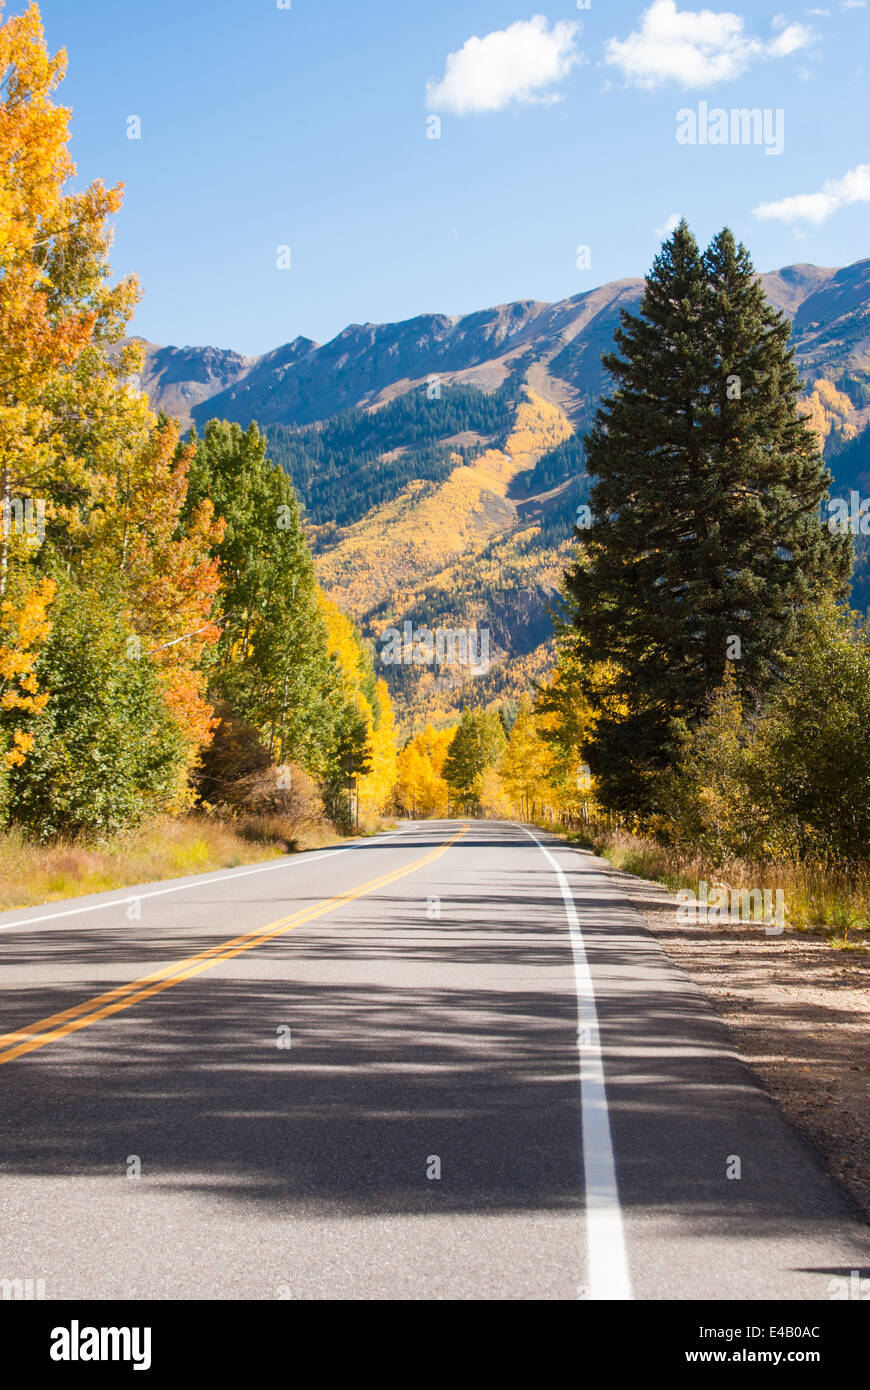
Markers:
{"x": 286, "y": 862}
{"x": 608, "y": 1276}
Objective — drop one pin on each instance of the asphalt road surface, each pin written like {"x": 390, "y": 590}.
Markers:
{"x": 448, "y": 1062}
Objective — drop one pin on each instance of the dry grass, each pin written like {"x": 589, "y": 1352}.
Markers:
{"x": 31, "y": 874}
{"x": 822, "y": 902}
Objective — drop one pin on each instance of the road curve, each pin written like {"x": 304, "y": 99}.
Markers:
{"x": 447, "y": 1062}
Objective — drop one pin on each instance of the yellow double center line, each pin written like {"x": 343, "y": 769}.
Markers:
{"x": 48, "y": 1030}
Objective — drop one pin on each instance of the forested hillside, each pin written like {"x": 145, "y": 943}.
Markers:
{"x": 389, "y": 434}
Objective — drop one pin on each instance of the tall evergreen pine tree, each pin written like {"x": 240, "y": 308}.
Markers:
{"x": 705, "y": 543}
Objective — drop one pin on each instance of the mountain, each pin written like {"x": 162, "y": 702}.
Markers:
{"x": 179, "y": 379}
{"x": 440, "y": 459}
{"x": 366, "y": 364}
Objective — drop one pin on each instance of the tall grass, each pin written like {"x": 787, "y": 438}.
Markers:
{"x": 165, "y": 848}
{"x": 834, "y": 903}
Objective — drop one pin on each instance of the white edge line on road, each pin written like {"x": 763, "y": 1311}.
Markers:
{"x": 608, "y": 1262}
{"x": 285, "y": 863}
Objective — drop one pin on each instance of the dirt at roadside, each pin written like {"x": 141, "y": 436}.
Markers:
{"x": 797, "y": 1010}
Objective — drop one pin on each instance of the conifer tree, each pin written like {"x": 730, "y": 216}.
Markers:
{"x": 706, "y": 544}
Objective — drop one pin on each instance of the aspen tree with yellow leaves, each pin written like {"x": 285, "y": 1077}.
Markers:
{"x": 526, "y": 765}
{"x": 369, "y": 763}
{"x": 55, "y": 304}
{"x": 91, "y": 493}
{"x": 421, "y": 789}
{"x": 23, "y": 626}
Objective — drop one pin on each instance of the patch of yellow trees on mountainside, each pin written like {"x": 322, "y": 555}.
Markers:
{"x": 410, "y": 540}
{"x": 830, "y": 412}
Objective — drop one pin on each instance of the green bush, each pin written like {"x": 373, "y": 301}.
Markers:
{"x": 792, "y": 781}
{"x": 809, "y": 758}
{"x": 107, "y": 752}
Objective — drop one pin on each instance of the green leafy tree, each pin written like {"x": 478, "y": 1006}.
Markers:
{"x": 349, "y": 759}
{"x": 793, "y": 781}
{"x": 706, "y": 542}
{"x": 106, "y": 751}
{"x": 707, "y": 793}
{"x": 810, "y": 756}
{"x": 564, "y": 723}
{"x": 477, "y": 745}
{"x": 272, "y": 665}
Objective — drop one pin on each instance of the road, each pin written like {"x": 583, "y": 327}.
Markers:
{"x": 447, "y": 1062}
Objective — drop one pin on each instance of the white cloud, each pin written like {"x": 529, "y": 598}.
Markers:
{"x": 696, "y": 48}
{"x": 823, "y": 14}
{"x": 517, "y": 64}
{"x": 853, "y": 187}
{"x": 854, "y": 5}
{"x": 792, "y": 37}
{"x": 669, "y": 225}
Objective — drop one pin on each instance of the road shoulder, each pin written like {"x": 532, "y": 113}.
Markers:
{"x": 797, "y": 1013}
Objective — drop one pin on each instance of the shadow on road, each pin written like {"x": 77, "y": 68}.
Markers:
{"x": 468, "y": 1054}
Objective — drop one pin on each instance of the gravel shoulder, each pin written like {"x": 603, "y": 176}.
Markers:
{"x": 797, "y": 1010}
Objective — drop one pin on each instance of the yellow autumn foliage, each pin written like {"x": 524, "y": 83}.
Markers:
{"x": 54, "y": 306}
{"x": 23, "y": 627}
{"x": 429, "y": 526}
{"x": 830, "y": 412}
{"x": 527, "y": 765}
{"x": 420, "y": 787}
{"x": 375, "y": 787}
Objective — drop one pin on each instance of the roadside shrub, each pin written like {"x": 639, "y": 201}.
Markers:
{"x": 266, "y": 802}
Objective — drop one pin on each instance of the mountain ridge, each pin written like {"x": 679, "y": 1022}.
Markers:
{"x": 302, "y": 381}
{"x": 427, "y": 500}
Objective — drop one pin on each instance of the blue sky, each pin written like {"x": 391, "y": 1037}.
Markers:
{"x": 308, "y": 127}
